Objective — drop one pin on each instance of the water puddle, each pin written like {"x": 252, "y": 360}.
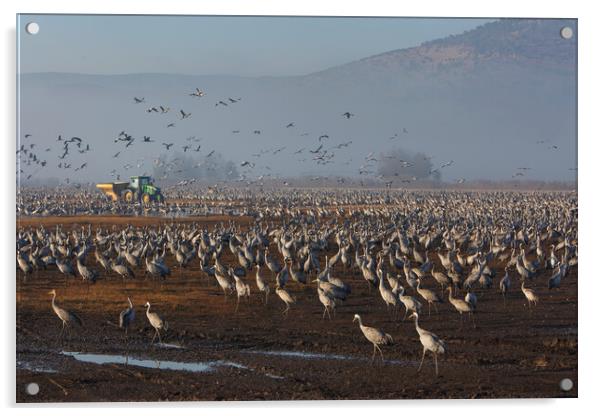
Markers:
{"x": 25, "y": 365}
{"x": 301, "y": 354}
{"x": 211, "y": 366}
{"x": 195, "y": 367}
{"x": 167, "y": 345}
{"x": 322, "y": 356}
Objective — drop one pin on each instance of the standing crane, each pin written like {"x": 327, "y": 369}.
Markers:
{"x": 529, "y": 295}
{"x": 375, "y": 336}
{"x": 24, "y": 265}
{"x": 242, "y": 289}
{"x": 428, "y": 295}
{"x": 64, "y": 315}
{"x": 461, "y": 306}
{"x": 127, "y": 316}
{"x": 156, "y": 322}
{"x": 430, "y": 342}
{"x": 262, "y": 284}
{"x": 286, "y": 298}
{"x": 505, "y": 284}
{"x": 327, "y": 301}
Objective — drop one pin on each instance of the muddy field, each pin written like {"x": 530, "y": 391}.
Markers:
{"x": 212, "y": 353}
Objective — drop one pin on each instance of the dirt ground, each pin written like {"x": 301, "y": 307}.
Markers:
{"x": 257, "y": 354}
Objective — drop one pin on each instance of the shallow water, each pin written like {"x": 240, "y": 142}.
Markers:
{"x": 302, "y": 354}
{"x": 195, "y": 367}
{"x": 25, "y": 365}
{"x": 321, "y": 356}
{"x": 168, "y": 345}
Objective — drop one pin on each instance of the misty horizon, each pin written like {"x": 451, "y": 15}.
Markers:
{"x": 481, "y": 115}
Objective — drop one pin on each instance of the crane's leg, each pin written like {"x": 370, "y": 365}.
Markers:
{"x": 267, "y": 292}
{"x": 474, "y": 324}
{"x": 421, "y": 361}
{"x": 60, "y": 337}
{"x": 381, "y": 354}
{"x": 436, "y": 309}
{"x": 373, "y": 353}
{"x": 154, "y": 336}
{"x": 429, "y": 308}
{"x": 436, "y": 365}
{"x": 324, "y": 313}
{"x": 237, "y": 303}
{"x": 159, "y": 333}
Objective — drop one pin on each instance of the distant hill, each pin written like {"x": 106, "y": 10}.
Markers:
{"x": 508, "y": 41}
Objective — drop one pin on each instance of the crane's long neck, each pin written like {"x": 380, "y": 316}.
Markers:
{"x": 360, "y": 321}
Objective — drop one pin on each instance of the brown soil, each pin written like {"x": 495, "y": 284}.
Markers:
{"x": 510, "y": 353}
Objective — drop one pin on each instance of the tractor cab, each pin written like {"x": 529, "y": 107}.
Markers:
{"x": 138, "y": 182}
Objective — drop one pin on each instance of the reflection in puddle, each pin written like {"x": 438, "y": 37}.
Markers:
{"x": 198, "y": 367}
{"x": 320, "y": 356}
{"x": 301, "y": 354}
{"x": 167, "y": 345}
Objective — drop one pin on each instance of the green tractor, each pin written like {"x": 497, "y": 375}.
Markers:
{"x": 139, "y": 188}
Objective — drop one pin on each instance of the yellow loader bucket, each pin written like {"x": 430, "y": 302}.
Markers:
{"x": 112, "y": 190}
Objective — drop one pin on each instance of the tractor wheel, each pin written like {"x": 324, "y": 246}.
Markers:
{"x": 128, "y": 196}
{"x": 146, "y": 199}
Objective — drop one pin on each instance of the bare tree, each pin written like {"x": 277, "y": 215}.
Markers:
{"x": 398, "y": 163}
{"x": 181, "y": 166}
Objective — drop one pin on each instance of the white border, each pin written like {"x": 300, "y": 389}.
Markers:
{"x": 590, "y": 24}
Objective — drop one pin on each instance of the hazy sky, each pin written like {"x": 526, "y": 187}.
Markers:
{"x": 489, "y": 122}
{"x": 217, "y": 45}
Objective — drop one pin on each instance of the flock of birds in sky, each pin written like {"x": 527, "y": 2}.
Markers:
{"x": 31, "y": 163}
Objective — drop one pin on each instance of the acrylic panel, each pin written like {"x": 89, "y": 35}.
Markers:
{"x": 295, "y": 208}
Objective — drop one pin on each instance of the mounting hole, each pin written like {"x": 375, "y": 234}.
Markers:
{"x": 32, "y": 389}
{"x": 566, "y": 384}
{"x": 32, "y": 28}
{"x": 566, "y": 32}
